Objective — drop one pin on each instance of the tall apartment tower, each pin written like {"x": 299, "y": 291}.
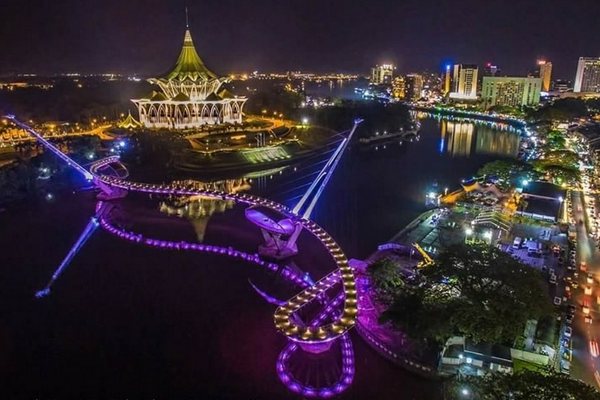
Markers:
{"x": 587, "y": 78}
{"x": 464, "y": 82}
{"x": 545, "y": 74}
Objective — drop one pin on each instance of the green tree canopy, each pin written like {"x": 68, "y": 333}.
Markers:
{"x": 477, "y": 291}
{"x": 386, "y": 278}
{"x": 508, "y": 171}
{"x": 523, "y": 385}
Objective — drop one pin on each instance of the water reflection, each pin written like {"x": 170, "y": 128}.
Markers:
{"x": 459, "y": 137}
{"x": 199, "y": 209}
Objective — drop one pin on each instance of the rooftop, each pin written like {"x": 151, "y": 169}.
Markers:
{"x": 544, "y": 189}
{"x": 189, "y": 65}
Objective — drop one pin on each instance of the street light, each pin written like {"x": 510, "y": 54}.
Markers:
{"x": 304, "y": 121}
{"x": 469, "y": 231}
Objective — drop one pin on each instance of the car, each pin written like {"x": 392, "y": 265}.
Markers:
{"x": 588, "y": 319}
{"x": 587, "y": 290}
{"x": 557, "y": 301}
{"x": 567, "y": 354}
{"x": 585, "y": 308}
{"x": 569, "y": 319}
{"x": 568, "y": 331}
{"x": 574, "y": 284}
{"x": 590, "y": 278}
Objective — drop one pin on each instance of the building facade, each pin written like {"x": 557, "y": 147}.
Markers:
{"x": 190, "y": 96}
{"x": 399, "y": 88}
{"x": 510, "y": 91}
{"x": 413, "y": 86}
{"x": 382, "y": 74}
{"x": 464, "y": 85}
{"x": 545, "y": 74}
{"x": 587, "y": 78}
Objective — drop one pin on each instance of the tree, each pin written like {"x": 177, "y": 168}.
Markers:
{"x": 386, "y": 278}
{"x": 477, "y": 291}
{"x": 523, "y": 385}
{"x": 507, "y": 171}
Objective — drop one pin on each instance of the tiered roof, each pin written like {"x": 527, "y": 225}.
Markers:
{"x": 189, "y": 65}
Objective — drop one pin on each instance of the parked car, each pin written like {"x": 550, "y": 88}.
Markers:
{"x": 568, "y": 331}
{"x": 569, "y": 319}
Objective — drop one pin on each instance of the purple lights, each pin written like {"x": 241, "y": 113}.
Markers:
{"x": 347, "y": 372}
{"x": 331, "y": 323}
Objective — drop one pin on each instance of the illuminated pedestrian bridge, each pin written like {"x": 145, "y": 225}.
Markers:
{"x": 316, "y": 319}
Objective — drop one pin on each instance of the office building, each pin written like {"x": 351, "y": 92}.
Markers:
{"x": 414, "y": 86}
{"x": 561, "y": 86}
{"x": 398, "y": 88}
{"x": 382, "y": 74}
{"x": 545, "y": 74}
{"x": 464, "y": 82}
{"x": 587, "y": 78}
{"x": 510, "y": 91}
{"x": 447, "y": 79}
{"x": 490, "y": 70}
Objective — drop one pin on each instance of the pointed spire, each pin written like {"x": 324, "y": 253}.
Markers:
{"x": 187, "y": 19}
{"x": 189, "y": 65}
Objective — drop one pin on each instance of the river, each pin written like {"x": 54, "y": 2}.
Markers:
{"x": 129, "y": 321}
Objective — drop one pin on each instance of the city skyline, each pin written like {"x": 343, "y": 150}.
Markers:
{"x": 268, "y": 36}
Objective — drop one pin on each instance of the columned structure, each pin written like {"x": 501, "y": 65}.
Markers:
{"x": 190, "y": 96}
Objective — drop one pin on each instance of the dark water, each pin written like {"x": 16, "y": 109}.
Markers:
{"x": 125, "y": 321}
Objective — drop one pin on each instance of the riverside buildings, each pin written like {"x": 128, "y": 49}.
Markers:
{"x": 510, "y": 91}
{"x": 464, "y": 82}
{"x": 587, "y": 78}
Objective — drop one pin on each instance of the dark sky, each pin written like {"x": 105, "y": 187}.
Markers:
{"x": 47, "y": 36}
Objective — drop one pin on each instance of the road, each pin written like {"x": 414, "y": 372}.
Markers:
{"x": 585, "y": 363}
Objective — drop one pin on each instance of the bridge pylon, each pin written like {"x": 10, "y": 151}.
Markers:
{"x": 280, "y": 237}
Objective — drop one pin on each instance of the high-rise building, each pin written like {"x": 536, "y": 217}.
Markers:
{"x": 464, "y": 82}
{"x": 587, "y": 78}
{"x": 398, "y": 88}
{"x": 511, "y": 91}
{"x": 414, "y": 86}
{"x": 561, "y": 85}
{"x": 447, "y": 79}
{"x": 382, "y": 74}
{"x": 490, "y": 70}
{"x": 545, "y": 74}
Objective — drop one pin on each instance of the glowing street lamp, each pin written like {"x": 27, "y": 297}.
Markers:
{"x": 304, "y": 121}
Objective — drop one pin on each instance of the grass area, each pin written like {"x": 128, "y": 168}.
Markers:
{"x": 521, "y": 365}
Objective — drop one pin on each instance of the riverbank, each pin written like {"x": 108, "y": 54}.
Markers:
{"x": 428, "y": 230}
{"x": 471, "y": 115}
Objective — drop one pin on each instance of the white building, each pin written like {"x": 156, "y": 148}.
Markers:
{"x": 464, "y": 82}
{"x": 382, "y": 74}
{"x": 587, "y": 78}
{"x": 190, "y": 96}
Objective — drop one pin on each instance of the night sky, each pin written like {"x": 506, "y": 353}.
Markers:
{"x": 127, "y": 36}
